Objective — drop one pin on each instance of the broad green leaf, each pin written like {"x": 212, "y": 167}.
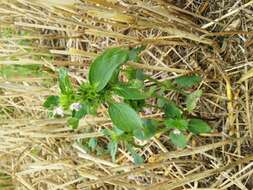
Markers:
{"x": 188, "y": 81}
{"x": 104, "y": 66}
{"x": 64, "y": 82}
{"x": 137, "y": 158}
{"x": 180, "y": 124}
{"x": 192, "y": 100}
{"x": 73, "y": 122}
{"x": 198, "y": 126}
{"x": 178, "y": 139}
{"x": 113, "y": 147}
{"x": 129, "y": 93}
{"x": 92, "y": 143}
{"x": 51, "y": 102}
{"x": 171, "y": 110}
{"x": 124, "y": 117}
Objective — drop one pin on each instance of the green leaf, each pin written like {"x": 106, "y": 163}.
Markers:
{"x": 137, "y": 158}
{"x": 51, "y": 102}
{"x": 178, "y": 139}
{"x": 136, "y": 104}
{"x": 115, "y": 76}
{"x": 113, "y": 147}
{"x": 192, "y": 100}
{"x": 66, "y": 100}
{"x": 126, "y": 137}
{"x": 64, "y": 82}
{"x": 103, "y": 67}
{"x": 198, "y": 126}
{"x": 73, "y": 122}
{"x": 129, "y": 93}
{"x": 136, "y": 84}
{"x": 108, "y": 132}
{"x": 139, "y": 134}
{"x": 149, "y": 130}
{"x": 161, "y": 103}
{"x": 180, "y": 124}
{"x": 117, "y": 134}
{"x": 167, "y": 84}
{"x": 124, "y": 117}
{"x": 188, "y": 81}
{"x": 92, "y": 143}
{"x": 134, "y": 53}
{"x": 117, "y": 131}
{"x": 171, "y": 110}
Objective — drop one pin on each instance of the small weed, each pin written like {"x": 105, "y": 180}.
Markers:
{"x": 125, "y": 99}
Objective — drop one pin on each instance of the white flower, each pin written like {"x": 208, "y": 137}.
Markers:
{"x": 58, "y": 111}
{"x": 131, "y": 177}
{"x": 75, "y": 106}
{"x": 176, "y": 132}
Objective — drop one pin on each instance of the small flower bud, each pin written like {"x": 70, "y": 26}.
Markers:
{"x": 58, "y": 111}
{"x": 176, "y": 132}
{"x": 75, "y": 106}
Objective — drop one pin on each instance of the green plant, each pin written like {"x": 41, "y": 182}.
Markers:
{"x": 125, "y": 99}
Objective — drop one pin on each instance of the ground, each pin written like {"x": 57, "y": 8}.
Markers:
{"x": 211, "y": 38}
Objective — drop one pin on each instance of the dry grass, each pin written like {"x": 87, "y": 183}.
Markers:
{"x": 213, "y": 38}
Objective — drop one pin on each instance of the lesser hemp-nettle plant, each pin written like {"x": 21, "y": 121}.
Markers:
{"x": 125, "y": 94}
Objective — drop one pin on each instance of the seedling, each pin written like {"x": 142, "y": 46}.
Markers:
{"x": 125, "y": 99}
